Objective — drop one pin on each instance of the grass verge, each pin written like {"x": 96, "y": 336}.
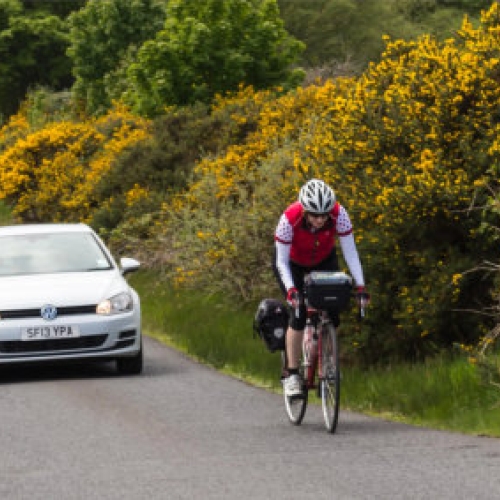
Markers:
{"x": 5, "y": 214}
{"x": 445, "y": 393}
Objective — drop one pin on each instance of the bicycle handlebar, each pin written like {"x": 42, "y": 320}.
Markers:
{"x": 361, "y": 309}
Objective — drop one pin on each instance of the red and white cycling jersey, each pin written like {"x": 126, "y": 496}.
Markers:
{"x": 309, "y": 247}
{"x": 300, "y": 243}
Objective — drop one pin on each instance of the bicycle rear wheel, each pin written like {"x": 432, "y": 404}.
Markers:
{"x": 296, "y": 405}
{"x": 330, "y": 377}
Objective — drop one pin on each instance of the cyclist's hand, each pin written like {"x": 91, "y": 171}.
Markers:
{"x": 362, "y": 296}
{"x": 293, "y": 298}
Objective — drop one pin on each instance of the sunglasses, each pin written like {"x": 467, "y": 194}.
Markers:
{"x": 318, "y": 216}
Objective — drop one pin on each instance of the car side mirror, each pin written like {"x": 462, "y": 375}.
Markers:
{"x": 129, "y": 265}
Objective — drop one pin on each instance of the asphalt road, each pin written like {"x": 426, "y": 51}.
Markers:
{"x": 184, "y": 431}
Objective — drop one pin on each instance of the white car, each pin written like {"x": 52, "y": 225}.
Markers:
{"x": 63, "y": 297}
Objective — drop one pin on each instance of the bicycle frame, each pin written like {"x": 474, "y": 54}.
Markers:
{"x": 313, "y": 368}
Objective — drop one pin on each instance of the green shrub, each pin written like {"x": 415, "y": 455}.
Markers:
{"x": 408, "y": 147}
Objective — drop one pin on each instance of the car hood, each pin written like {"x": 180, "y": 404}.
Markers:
{"x": 69, "y": 289}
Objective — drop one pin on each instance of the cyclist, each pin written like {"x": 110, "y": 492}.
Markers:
{"x": 305, "y": 241}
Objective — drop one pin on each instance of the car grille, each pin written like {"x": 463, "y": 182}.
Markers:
{"x": 36, "y": 313}
{"x": 33, "y": 346}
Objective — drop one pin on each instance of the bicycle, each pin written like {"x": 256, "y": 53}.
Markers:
{"x": 319, "y": 368}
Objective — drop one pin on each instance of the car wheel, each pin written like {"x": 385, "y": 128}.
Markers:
{"x": 131, "y": 365}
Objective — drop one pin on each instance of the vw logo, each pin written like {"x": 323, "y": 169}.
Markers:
{"x": 48, "y": 312}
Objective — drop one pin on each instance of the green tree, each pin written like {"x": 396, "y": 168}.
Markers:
{"x": 351, "y": 30}
{"x": 212, "y": 46}
{"x": 61, "y": 8}
{"x": 104, "y": 35}
{"x": 344, "y": 30}
{"x": 32, "y": 53}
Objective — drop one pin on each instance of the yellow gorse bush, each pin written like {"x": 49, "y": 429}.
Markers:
{"x": 407, "y": 147}
{"x": 278, "y": 120}
{"x": 39, "y": 173}
{"x": 136, "y": 194}
{"x": 51, "y": 174}
{"x": 14, "y": 129}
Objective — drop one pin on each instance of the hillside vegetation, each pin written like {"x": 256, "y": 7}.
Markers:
{"x": 148, "y": 51}
{"x": 411, "y": 146}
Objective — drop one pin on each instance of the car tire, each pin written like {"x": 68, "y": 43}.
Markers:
{"x": 130, "y": 365}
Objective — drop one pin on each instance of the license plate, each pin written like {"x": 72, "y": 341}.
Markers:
{"x": 49, "y": 332}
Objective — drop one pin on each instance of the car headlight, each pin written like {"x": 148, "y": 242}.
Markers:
{"x": 115, "y": 305}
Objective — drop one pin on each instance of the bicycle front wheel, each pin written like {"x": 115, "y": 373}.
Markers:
{"x": 330, "y": 377}
{"x": 296, "y": 405}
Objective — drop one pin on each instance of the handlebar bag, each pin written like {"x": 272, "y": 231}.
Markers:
{"x": 328, "y": 290}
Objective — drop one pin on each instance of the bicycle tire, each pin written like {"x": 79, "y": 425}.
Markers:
{"x": 296, "y": 405}
{"x": 330, "y": 377}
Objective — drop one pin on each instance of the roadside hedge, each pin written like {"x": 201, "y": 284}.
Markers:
{"x": 409, "y": 147}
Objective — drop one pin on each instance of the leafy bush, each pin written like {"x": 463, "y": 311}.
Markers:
{"x": 144, "y": 178}
{"x": 220, "y": 230}
{"x": 33, "y": 46}
{"x": 16, "y": 128}
{"x": 104, "y": 37}
{"x": 207, "y": 47}
{"x": 407, "y": 146}
{"x": 340, "y": 31}
{"x": 50, "y": 174}
{"x": 160, "y": 165}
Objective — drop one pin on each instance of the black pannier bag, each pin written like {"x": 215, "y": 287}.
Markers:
{"x": 328, "y": 290}
{"x": 271, "y": 323}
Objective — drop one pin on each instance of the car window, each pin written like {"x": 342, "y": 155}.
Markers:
{"x": 51, "y": 253}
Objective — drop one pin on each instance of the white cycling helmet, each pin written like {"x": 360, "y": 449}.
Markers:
{"x": 316, "y": 197}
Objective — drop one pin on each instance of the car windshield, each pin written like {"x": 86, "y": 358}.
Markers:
{"x": 51, "y": 253}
